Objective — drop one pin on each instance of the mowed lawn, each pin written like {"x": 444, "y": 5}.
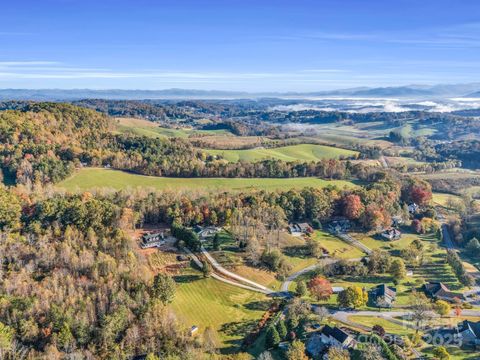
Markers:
{"x": 91, "y": 178}
{"x": 302, "y": 152}
{"x": 337, "y": 247}
{"x": 389, "y": 326}
{"x": 230, "y": 310}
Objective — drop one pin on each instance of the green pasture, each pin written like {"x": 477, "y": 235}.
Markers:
{"x": 92, "y": 178}
{"x": 302, "y": 152}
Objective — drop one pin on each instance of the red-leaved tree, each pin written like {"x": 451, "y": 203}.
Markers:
{"x": 421, "y": 195}
{"x": 352, "y": 207}
{"x": 320, "y": 288}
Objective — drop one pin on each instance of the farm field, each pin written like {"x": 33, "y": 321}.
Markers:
{"x": 454, "y": 173}
{"x": 150, "y": 129}
{"x": 348, "y": 135}
{"x": 443, "y": 199}
{"x": 91, "y": 178}
{"x": 231, "y": 311}
{"x": 302, "y": 152}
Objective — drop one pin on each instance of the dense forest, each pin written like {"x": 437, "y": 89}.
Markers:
{"x": 72, "y": 281}
{"x": 72, "y": 284}
{"x": 44, "y": 142}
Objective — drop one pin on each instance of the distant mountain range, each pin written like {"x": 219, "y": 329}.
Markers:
{"x": 409, "y": 91}
{"x": 475, "y": 94}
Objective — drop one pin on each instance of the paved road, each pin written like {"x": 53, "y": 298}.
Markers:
{"x": 197, "y": 261}
{"x": 349, "y": 239}
{"x": 449, "y": 244}
{"x": 383, "y": 161}
{"x": 291, "y": 278}
{"x": 322, "y": 262}
{"x": 232, "y": 275}
{"x": 343, "y": 316}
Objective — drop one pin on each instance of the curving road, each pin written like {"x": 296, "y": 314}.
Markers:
{"x": 197, "y": 261}
{"x": 354, "y": 242}
{"x": 291, "y": 278}
{"x": 232, "y": 275}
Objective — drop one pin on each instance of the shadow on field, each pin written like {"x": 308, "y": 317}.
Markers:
{"x": 186, "y": 278}
{"x": 258, "y": 305}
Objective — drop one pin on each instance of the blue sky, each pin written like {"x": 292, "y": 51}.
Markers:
{"x": 237, "y": 45}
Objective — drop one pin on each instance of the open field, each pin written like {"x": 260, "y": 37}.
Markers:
{"x": 456, "y": 353}
{"x": 389, "y": 326}
{"x": 342, "y": 134}
{"x": 229, "y": 141}
{"x": 228, "y": 309}
{"x": 150, "y": 129}
{"x": 234, "y": 259}
{"x": 91, "y": 178}
{"x": 455, "y": 173}
{"x": 434, "y": 267}
{"x": 302, "y": 152}
{"x": 444, "y": 199}
{"x": 337, "y": 247}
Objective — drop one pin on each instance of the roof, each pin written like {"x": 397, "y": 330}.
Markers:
{"x": 383, "y": 289}
{"x": 474, "y": 327}
{"x": 336, "y": 333}
{"x": 392, "y": 232}
{"x": 303, "y": 226}
{"x": 439, "y": 289}
{"x": 151, "y": 235}
{"x": 315, "y": 345}
{"x": 299, "y": 227}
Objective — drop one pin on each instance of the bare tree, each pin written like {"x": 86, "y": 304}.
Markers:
{"x": 421, "y": 309}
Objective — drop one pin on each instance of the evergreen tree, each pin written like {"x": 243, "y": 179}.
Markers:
{"x": 282, "y": 329}
{"x": 273, "y": 338}
{"x": 163, "y": 288}
{"x": 301, "y": 289}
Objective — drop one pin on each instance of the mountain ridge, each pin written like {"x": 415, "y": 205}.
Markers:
{"x": 425, "y": 91}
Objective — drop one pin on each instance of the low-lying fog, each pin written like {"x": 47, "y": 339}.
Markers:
{"x": 366, "y": 105}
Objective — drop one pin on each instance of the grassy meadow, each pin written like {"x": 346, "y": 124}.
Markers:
{"x": 151, "y": 129}
{"x": 91, "y": 178}
{"x": 336, "y": 247}
{"x": 230, "y": 310}
{"x": 302, "y": 152}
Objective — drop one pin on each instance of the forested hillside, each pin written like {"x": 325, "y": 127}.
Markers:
{"x": 44, "y": 142}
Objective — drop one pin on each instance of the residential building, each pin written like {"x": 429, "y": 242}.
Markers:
{"x": 413, "y": 208}
{"x": 469, "y": 333}
{"x": 299, "y": 229}
{"x": 439, "y": 291}
{"x": 383, "y": 296}
{"x": 153, "y": 239}
{"x": 327, "y": 337}
{"x": 391, "y": 234}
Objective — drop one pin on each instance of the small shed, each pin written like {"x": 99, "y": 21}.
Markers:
{"x": 193, "y": 330}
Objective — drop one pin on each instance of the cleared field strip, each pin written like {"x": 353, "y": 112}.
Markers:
{"x": 151, "y": 129}
{"x": 91, "y": 178}
{"x": 302, "y": 152}
{"x": 209, "y": 302}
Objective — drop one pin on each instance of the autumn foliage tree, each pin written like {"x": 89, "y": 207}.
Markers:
{"x": 352, "y": 206}
{"x": 320, "y": 288}
{"x": 421, "y": 195}
{"x": 375, "y": 217}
